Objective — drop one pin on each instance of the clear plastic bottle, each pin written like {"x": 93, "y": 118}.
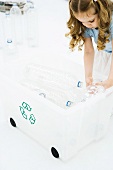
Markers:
{"x": 10, "y": 46}
{"x": 2, "y": 34}
{"x": 92, "y": 90}
{"x": 32, "y": 25}
{"x": 16, "y": 16}
{"x": 27, "y": 5}
{"x": 10, "y": 51}
{"x": 8, "y": 26}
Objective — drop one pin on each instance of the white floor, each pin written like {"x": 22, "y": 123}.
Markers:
{"x": 18, "y": 151}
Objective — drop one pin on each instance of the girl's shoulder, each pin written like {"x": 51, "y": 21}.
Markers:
{"x": 91, "y": 32}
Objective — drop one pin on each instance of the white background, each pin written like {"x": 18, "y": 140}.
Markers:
{"x": 17, "y": 150}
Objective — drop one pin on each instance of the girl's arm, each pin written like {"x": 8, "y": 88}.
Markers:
{"x": 88, "y": 60}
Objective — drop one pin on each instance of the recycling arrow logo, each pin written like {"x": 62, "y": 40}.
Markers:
{"x": 24, "y": 109}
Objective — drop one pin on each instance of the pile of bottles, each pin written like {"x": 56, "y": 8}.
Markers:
{"x": 60, "y": 87}
{"x": 18, "y": 26}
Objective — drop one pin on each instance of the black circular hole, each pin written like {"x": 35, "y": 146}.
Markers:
{"x": 54, "y": 152}
{"x": 12, "y": 122}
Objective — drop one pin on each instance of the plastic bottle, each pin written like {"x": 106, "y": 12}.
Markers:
{"x": 2, "y": 35}
{"x": 16, "y": 16}
{"x": 8, "y": 26}
{"x": 92, "y": 91}
{"x": 28, "y": 5}
{"x": 10, "y": 51}
{"x": 32, "y": 23}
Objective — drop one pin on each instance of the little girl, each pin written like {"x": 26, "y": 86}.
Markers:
{"x": 93, "y": 19}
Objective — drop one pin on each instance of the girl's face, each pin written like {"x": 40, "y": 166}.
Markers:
{"x": 89, "y": 19}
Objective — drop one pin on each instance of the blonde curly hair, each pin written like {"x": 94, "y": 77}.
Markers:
{"x": 104, "y": 10}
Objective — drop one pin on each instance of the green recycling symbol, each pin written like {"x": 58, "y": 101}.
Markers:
{"x": 26, "y": 107}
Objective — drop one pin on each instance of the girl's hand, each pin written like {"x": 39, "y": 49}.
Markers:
{"x": 89, "y": 81}
{"x": 106, "y": 84}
